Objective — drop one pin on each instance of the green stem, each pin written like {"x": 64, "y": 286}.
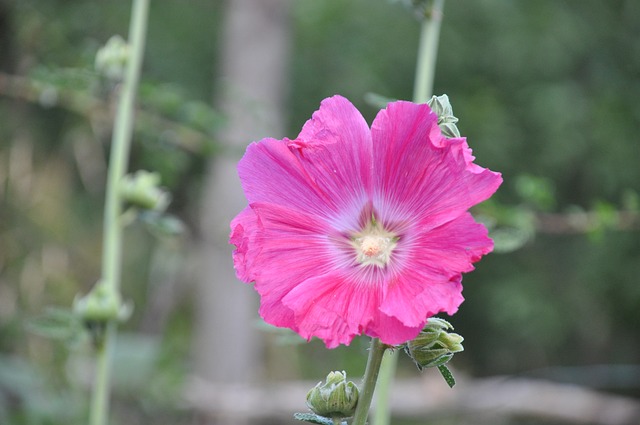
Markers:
{"x": 376, "y": 352}
{"x": 427, "y": 53}
{"x": 120, "y": 144}
{"x": 422, "y": 91}
{"x": 112, "y": 244}
{"x": 100, "y": 399}
{"x": 385, "y": 380}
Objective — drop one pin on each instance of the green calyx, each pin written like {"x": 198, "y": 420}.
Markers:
{"x": 335, "y": 398}
{"x": 142, "y": 190}
{"x": 111, "y": 59}
{"x": 441, "y": 106}
{"x": 434, "y": 346}
{"x": 102, "y": 304}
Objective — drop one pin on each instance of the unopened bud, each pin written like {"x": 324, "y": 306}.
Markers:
{"x": 434, "y": 345}
{"x": 336, "y": 398}
{"x": 441, "y": 106}
{"x": 101, "y": 304}
{"x": 111, "y": 59}
{"x": 142, "y": 190}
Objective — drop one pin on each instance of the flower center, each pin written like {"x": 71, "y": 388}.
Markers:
{"x": 374, "y": 245}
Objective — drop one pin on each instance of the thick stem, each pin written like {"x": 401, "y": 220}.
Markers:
{"x": 120, "y": 144}
{"x": 376, "y": 352}
{"x": 382, "y": 415}
{"x": 427, "y": 53}
{"x": 100, "y": 400}
{"x": 422, "y": 91}
{"x": 112, "y": 243}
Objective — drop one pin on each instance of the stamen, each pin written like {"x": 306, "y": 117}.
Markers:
{"x": 374, "y": 245}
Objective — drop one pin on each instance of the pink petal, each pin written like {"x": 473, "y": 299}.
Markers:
{"x": 392, "y": 331}
{"x": 413, "y": 298}
{"x": 332, "y": 308}
{"x": 244, "y": 228}
{"x": 419, "y": 172}
{"x": 336, "y": 309}
{"x": 430, "y": 280}
{"x": 282, "y": 248}
{"x": 291, "y": 246}
{"x": 325, "y": 171}
{"x": 452, "y": 247}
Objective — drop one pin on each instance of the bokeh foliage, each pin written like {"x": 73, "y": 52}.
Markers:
{"x": 546, "y": 93}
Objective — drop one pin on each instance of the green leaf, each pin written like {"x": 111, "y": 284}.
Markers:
{"x": 162, "y": 225}
{"x": 313, "y": 418}
{"x": 447, "y": 375}
{"x": 56, "y": 323}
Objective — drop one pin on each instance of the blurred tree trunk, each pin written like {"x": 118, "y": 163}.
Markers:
{"x": 254, "y": 58}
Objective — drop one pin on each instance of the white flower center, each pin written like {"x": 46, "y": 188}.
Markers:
{"x": 374, "y": 245}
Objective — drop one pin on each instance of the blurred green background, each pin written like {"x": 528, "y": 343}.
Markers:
{"x": 546, "y": 92}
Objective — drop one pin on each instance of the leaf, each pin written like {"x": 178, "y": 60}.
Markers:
{"x": 56, "y": 323}
{"x": 313, "y": 418}
{"x": 447, "y": 375}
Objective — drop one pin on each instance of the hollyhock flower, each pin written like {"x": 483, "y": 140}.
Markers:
{"x": 351, "y": 230}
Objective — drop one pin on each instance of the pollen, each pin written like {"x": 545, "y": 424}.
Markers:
{"x": 373, "y": 245}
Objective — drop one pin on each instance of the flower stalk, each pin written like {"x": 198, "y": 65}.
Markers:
{"x": 422, "y": 91}
{"x": 112, "y": 243}
{"x": 427, "y": 52}
{"x": 376, "y": 353}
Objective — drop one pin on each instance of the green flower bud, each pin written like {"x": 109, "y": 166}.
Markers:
{"x": 421, "y": 8}
{"x": 446, "y": 120}
{"x": 336, "y": 398}
{"x": 434, "y": 345}
{"x": 101, "y": 304}
{"x": 142, "y": 190}
{"x": 111, "y": 59}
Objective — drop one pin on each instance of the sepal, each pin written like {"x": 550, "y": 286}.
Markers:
{"x": 111, "y": 59}
{"x": 441, "y": 106}
{"x": 99, "y": 307}
{"x": 335, "y": 398}
{"x": 142, "y": 190}
{"x": 434, "y": 346}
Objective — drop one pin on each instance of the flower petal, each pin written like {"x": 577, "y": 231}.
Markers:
{"x": 278, "y": 248}
{"x": 325, "y": 171}
{"x": 336, "y": 309}
{"x": 392, "y": 331}
{"x": 244, "y": 228}
{"x": 412, "y": 299}
{"x": 433, "y": 263}
{"x": 452, "y": 247}
{"x": 420, "y": 172}
{"x": 332, "y": 308}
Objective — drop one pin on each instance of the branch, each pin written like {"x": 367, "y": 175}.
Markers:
{"x": 99, "y": 111}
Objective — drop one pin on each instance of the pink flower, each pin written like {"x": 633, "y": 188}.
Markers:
{"x": 351, "y": 230}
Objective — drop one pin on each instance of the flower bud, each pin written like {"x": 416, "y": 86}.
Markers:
{"x": 111, "y": 59}
{"x": 336, "y": 398}
{"x": 441, "y": 106}
{"x": 142, "y": 190}
{"x": 421, "y": 8}
{"x": 434, "y": 346}
{"x": 101, "y": 304}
